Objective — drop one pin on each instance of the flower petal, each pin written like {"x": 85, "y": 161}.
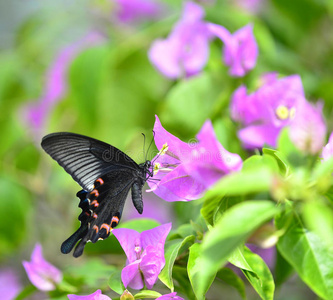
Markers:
{"x": 41, "y": 273}
{"x": 257, "y": 135}
{"x": 151, "y": 265}
{"x": 128, "y": 239}
{"x": 179, "y": 184}
{"x": 162, "y": 137}
{"x": 94, "y": 296}
{"x": 155, "y": 236}
{"x": 131, "y": 276}
{"x": 327, "y": 152}
{"x": 171, "y": 296}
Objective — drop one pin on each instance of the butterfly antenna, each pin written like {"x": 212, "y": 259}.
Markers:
{"x": 144, "y": 145}
{"x": 151, "y": 142}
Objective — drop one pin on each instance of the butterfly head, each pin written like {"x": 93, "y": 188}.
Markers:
{"x": 147, "y": 167}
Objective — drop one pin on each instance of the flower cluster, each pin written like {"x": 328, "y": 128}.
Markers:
{"x": 185, "y": 170}
{"x": 185, "y": 51}
{"x": 278, "y": 103}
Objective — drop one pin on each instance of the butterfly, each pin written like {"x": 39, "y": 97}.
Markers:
{"x": 106, "y": 175}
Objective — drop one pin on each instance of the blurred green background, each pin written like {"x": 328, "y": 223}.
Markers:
{"x": 113, "y": 93}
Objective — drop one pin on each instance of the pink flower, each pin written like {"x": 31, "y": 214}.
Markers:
{"x": 41, "y": 273}
{"x": 171, "y": 296}
{"x": 308, "y": 129}
{"x": 266, "y": 111}
{"x": 10, "y": 285}
{"x": 185, "y": 51}
{"x": 327, "y": 152}
{"x": 185, "y": 170}
{"x": 240, "y": 48}
{"x": 145, "y": 255}
{"x": 129, "y": 11}
{"x": 94, "y": 296}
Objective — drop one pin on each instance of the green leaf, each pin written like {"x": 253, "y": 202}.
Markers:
{"x": 147, "y": 294}
{"x": 322, "y": 169}
{"x": 254, "y": 180}
{"x": 262, "y": 280}
{"x": 306, "y": 252}
{"x": 319, "y": 218}
{"x": 241, "y": 183}
{"x": 115, "y": 282}
{"x": 194, "y": 270}
{"x": 189, "y": 103}
{"x": 224, "y": 205}
{"x": 27, "y": 291}
{"x": 171, "y": 250}
{"x": 233, "y": 228}
{"x": 280, "y": 159}
{"x": 237, "y": 259}
{"x": 283, "y": 270}
{"x": 92, "y": 271}
{"x": 183, "y": 284}
{"x": 230, "y": 278}
{"x": 289, "y": 151}
{"x": 140, "y": 224}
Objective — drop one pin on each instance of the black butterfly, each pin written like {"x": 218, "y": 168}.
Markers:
{"x": 106, "y": 175}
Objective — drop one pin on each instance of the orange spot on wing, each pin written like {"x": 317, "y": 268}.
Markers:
{"x": 95, "y": 215}
{"x": 96, "y": 228}
{"x": 114, "y": 220}
{"x": 95, "y": 192}
{"x": 106, "y": 226}
{"x": 95, "y": 203}
{"x": 100, "y": 180}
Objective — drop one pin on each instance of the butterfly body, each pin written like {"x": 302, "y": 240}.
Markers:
{"x": 106, "y": 176}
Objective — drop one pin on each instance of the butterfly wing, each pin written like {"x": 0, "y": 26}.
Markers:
{"x": 101, "y": 210}
{"x": 85, "y": 158}
{"x": 106, "y": 175}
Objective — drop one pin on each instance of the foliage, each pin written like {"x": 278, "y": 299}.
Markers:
{"x": 113, "y": 93}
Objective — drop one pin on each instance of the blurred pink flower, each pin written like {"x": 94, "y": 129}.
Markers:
{"x": 36, "y": 113}
{"x": 145, "y": 255}
{"x": 41, "y": 273}
{"x": 266, "y": 111}
{"x": 186, "y": 170}
{"x": 94, "y": 296}
{"x": 308, "y": 129}
{"x": 185, "y": 51}
{"x": 327, "y": 152}
{"x": 130, "y": 11}
{"x": 171, "y": 296}
{"x": 251, "y": 6}
{"x": 10, "y": 285}
{"x": 240, "y": 48}
{"x": 154, "y": 208}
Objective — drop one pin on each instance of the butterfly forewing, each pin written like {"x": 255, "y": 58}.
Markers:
{"x": 85, "y": 158}
{"x": 106, "y": 175}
